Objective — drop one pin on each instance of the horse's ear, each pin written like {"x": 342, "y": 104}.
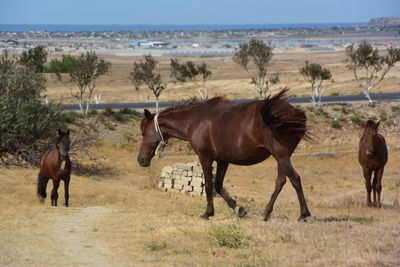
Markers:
{"x": 148, "y": 114}
{"x": 377, "y": 124}
{"x": 68, "y": 132}
{"x": 60, "y": 132}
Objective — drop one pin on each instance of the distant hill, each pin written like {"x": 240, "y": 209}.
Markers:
{"x": 384, "y": 21}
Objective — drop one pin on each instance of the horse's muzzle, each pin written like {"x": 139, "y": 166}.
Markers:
{"x": 143, "y": 161}
{"x": 63, "y": 157}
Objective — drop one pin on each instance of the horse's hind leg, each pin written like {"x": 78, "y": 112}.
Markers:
{"x": 279, "y": 183}
{"x": 41, "y": 187}
{"x": 294, "y": 178}
{"x": 367, "y": 176}
{"x": 378, "y": 187}
{"x": 219, "y": 180}
{"x": 54, "y": 193}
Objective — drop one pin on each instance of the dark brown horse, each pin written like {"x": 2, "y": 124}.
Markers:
{"x": 227, "y": 132}
{"x": 373, "y": 155}
{"x": 55, "y": 165}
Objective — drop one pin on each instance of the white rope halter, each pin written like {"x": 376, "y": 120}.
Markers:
{"x": 161, "y": 146}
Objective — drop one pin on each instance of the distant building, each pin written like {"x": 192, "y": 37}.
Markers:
{"x": 148, "y": 44}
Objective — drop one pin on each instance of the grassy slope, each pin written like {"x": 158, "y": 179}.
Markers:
{"x": 117, "y": 218}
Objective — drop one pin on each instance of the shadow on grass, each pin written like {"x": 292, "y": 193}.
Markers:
{"x": 94, "y": 171}
{"x": 358, "y": 219}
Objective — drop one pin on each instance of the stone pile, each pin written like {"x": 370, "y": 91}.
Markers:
{"x": 183, "y": 178}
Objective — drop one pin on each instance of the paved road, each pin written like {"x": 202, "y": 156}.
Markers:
{"x": 293, "y": 100}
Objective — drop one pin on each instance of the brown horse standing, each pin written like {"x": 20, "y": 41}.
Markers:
{"x": 56, "y": 165}
{"x": 373, "y": 155}
{"x": 227, "y": 132}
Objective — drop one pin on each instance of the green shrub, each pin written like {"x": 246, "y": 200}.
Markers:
{"x": 322, "y": 112}
{"x": 71, "y": 116}
{"x": 356, "y": 119}
{"x": 26, "y": 126}
{"x": 395, "y": 109}
{"x": 93, "y": 112}
{"x": 108, "y": 111}
{"x": 335, "y": 124}
{"x": 229, "y": 236}
{"x": 345, "y": 111}
{"x": 155, "y": 245}
{"x": 109, "y": 125}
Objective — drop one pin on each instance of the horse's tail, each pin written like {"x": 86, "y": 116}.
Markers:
{"x": 282, "y": 118}
{"x": 41, "y": 187}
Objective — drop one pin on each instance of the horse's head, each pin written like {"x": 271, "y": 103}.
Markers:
{"x": 151, "y": 139}
{"x": 62, "y": 143}
{"x": 370, "y": 131}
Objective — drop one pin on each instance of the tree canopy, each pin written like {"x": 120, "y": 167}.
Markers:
{"x": 258, "y": 54}
{"x": 26, "y": 126}
{"x": 369, "y": 65}
{"x": 144, "y": 72}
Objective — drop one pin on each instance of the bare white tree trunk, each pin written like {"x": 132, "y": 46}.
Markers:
{"x": 262, "y": 91}
{"x": 316, "y": 95}
{"x": 80, "y": 106}
{"x": 140, "y": 95}
{"x": 46, "y": 100}
{"x": 87, "y": 107}
{"x": 202, "y": 92}
{"x": 157, "y": 105}
{"x": 97, "y": 98}
{"x": 368, "y": 88}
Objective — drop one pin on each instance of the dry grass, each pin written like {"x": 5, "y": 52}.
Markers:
{"x": 228, "y": 79}
{"x": 117, "y": 218}
{"x": 121, "y": 220}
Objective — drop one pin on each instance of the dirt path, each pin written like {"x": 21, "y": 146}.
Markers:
{"x": 74, "y": 233}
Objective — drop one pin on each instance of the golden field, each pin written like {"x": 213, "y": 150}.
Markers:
{"x": 227, "y": 78}
{"x": 117, "y": 218}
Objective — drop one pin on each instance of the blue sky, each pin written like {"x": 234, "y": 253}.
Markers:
{"x": 193, "y": 12}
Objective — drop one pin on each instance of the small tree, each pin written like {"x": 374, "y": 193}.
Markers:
{"x": 61, "y": 66}
{"x": 259, "y": 54}
{"x": 34, "y": 58}
{"x": 367, "y": 60}
{"x": 144, "y": 73}
{"x": 191, "y": 71}
{"x": 25, "y": 125}
{"x": 315, "y": 75}
{"x": 84, "y": 71}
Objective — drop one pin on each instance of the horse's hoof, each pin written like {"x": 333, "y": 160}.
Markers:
{"x": 265, "y": 217}
{"x": 304, "y": 218}
{"x": 204, "y": 217}
{"x": 240, "y": 211}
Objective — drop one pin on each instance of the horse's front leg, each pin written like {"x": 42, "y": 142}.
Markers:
{"x": 66, "y": 190}
{"x": 222, "y": 166}
{"x": 367, "y": 175}
{"x": 206, "y": 165}
{"x": 54, "y": 193}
